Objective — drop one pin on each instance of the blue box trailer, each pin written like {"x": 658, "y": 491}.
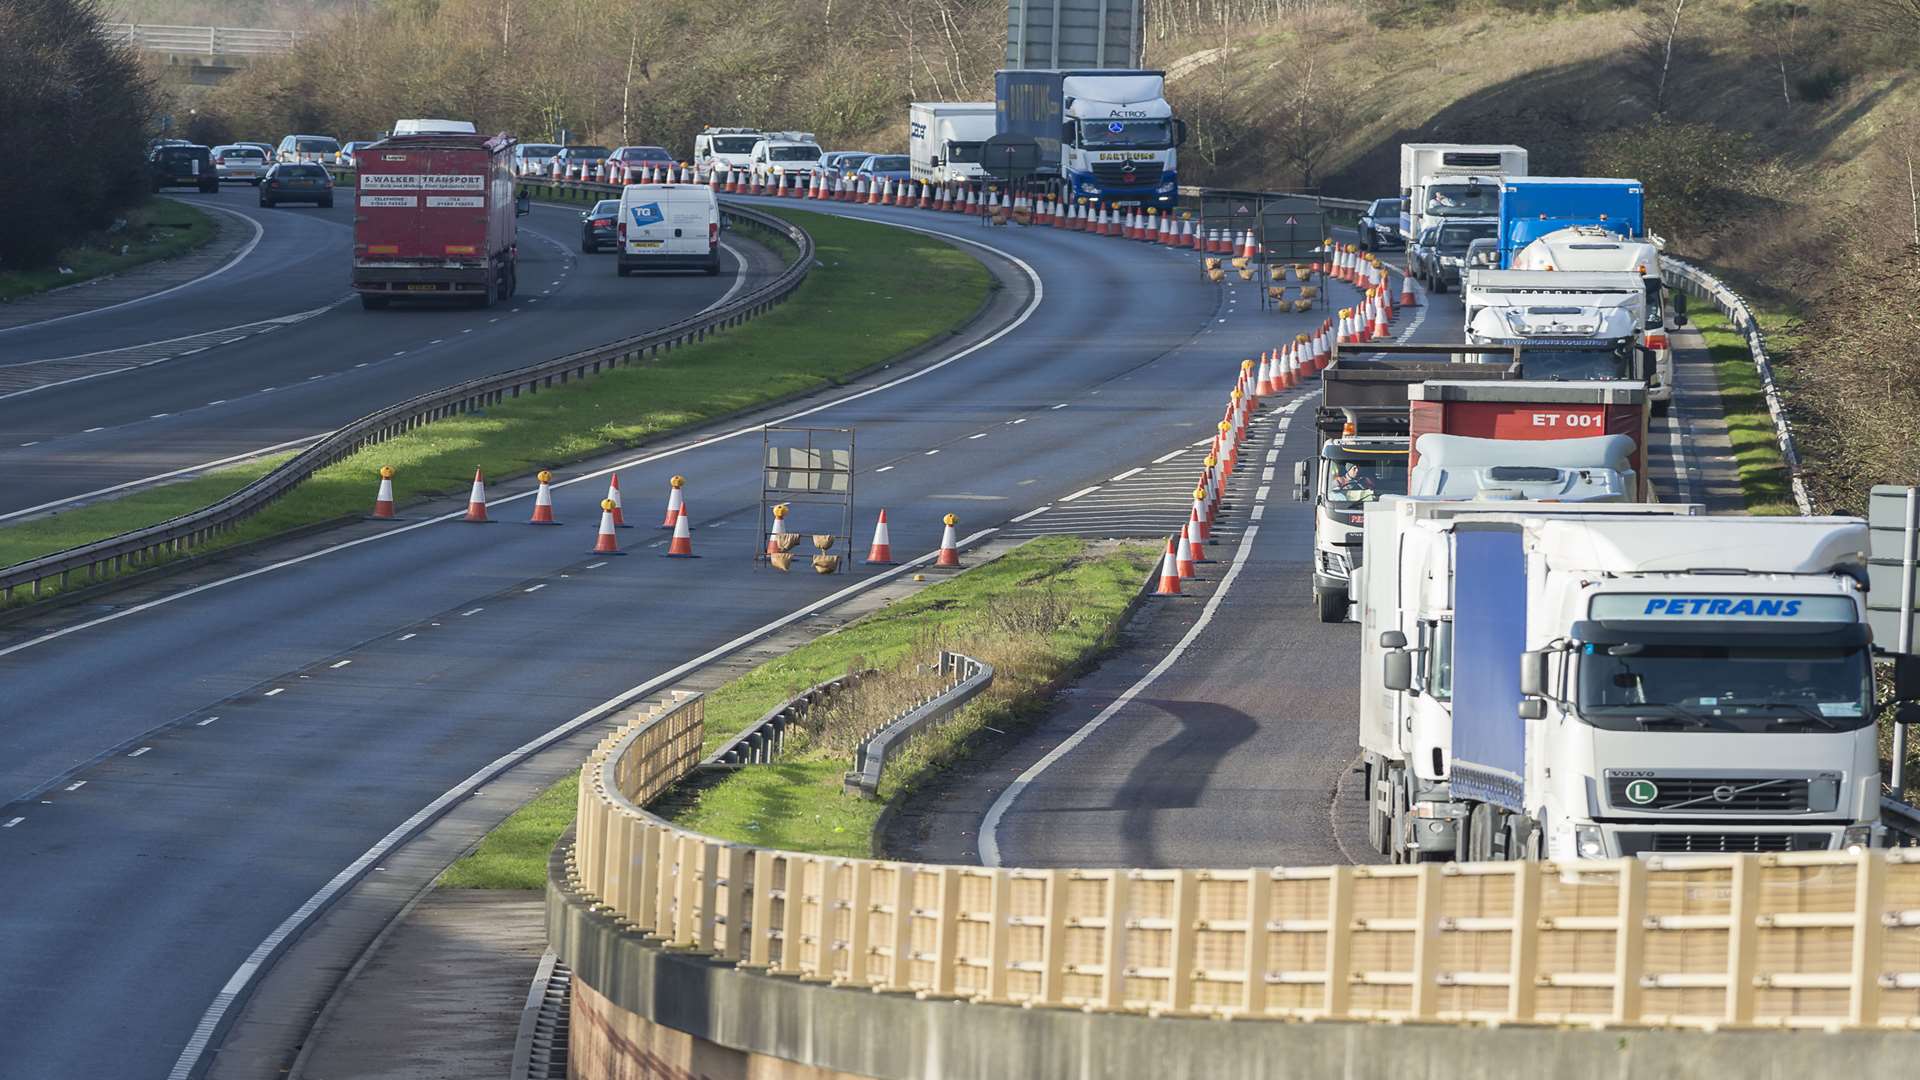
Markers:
{"x": 1031, "y": 103}
{"x": 1489, "y": 634}
{"x": 1533, "y": 206}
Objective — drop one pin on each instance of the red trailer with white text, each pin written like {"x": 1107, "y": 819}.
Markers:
{"x": 434, "y": 219}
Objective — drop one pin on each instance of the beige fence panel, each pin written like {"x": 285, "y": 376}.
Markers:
{"x": 1814, "y": 939}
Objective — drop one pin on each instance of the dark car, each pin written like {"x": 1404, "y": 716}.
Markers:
{"x": 597, "y": 225}
{"x": 1442, "y": 250}
{"x": 577, "y": 162}
{"x": 1380, "y": 225}
{"x": 289, "y": 182}
{"x": 183, "y": 165}
{"x": 886, "y": 167}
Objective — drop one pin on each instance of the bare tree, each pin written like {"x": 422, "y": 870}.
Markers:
{"x": 1654, "y": 41}
{"x": 1776, "y": 24}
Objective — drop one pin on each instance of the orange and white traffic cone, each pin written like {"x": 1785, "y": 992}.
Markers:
{"x": 1249, "y": 382}
{"x": 543, "y": 502}
{"x": 1202, "y": 510}
{"x": 675, "y": 501}
{"x": 1250, "y": 249}
{"x": 477, "y": 501}
{"x": 383, "y": 499}
{"x": 1169, "y": 573}
{"x": 1381, "y": 324}
{"x": 681, "y": 547}
{"x": 1408, "y": 298}
{"x": 606, "y": 543}
{"x": 619, "y": 504}
{"x": 1183, "y": 558}
{"x": 949, "y": 544}
{"x": 779, "y": 529}
{"x": 881, "y": 553}
{"x": 1196, "y": 538}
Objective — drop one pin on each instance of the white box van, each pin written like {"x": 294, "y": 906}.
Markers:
{"x": 668, "y": 227}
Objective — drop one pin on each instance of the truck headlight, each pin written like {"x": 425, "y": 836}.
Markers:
{"x": 1856, "y": 836}
{"x": 1167, "y": 188}
{"x": 1588, "y": 842}
{"x": 1449, "y": 260}
{"x": 1091, "y": 189}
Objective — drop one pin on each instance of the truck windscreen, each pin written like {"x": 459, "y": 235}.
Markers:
{"x": 1463, "y": 200}
{"x": 1352, "y": 482}
{"x": 737, "y": 144}
{"x": 1703, "y": 687}
{"x": 1557, "y": 364}
{"x": 964, "y": 153}
{"x": 1127, "y": 134}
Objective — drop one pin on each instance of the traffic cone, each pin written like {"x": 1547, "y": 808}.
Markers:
{"x": 1381, "y": 326}
{"x": 1249, "y": 251}
{"x": 1169, "y": 573}
{"x": 1249, "y": 381}
{"x": 675, "y": 501}
{"x": 606, "y": 543}
{"x": 1408, "y": 298}
{"x": 881, "y": 553}
{"x": 619, "y": 504}
{"x": 779, "y": 529}
{"x": 383, "y": 499}
{"x": 681, "y": 546}
{"x": 1196, "y": 538}
{"x": 477, "y": 501}
{"x": 1265, "y": 387}
{"x": 949, "y": 545}
{"x": 543, "y": 502}
{"x": 1183, "y": 558}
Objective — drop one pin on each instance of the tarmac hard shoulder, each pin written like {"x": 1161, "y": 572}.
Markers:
{"x": 230, "y": 236}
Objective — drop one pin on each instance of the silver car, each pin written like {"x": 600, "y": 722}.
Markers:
{"x": 239, "y": 161}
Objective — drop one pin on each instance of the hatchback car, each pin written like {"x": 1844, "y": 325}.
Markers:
{"x": 597, "y": 226}
{"x": 886, "y": 167}
{"x": 1443, "y": 250}
{"x": 577, "y": 162}
{"x": 182, "y": 165}
{"x": 1380, "y": 225}
{"x": 240, "y": 161}
{"x": 290, "y": 182}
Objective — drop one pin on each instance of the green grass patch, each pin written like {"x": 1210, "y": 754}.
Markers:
{"x": 876, "y": 293}
{"x": 514, "y": 854}
{"x": 1761, "y": 468}
{"x": 157, "y": 229}
{"x": 797, "y": 802}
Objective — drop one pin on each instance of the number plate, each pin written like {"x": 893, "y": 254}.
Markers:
{"x": 647, "y": 243}
{"x": 423, "y": 287}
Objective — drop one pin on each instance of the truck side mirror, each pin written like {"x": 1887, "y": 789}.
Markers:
{"x": 1066, "y": 133}
{"x": 1679, "y": 308}
{"x": 1533, "y": 674}
{"x": 1532, "y": 709}
{"x": 523, "y": 204}
{"x": 1392, "y": 639}
{"x": 1906, "y": 677}
{"x": 1302, "y": 482}
{"x": 935, "y": 162}
{"x": 1398, "y": 670}
{"x": 1179, "y": 132}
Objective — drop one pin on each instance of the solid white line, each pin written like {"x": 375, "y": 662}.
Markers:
{"x": 478, "y": 610}
{"x": 408, "y": 637}
{"x": 990, "y": 826}
{"x": 542, "y": 585}
{"x": 1124, "y": 475}
{"x": 164, "y": 476}
{"x": 1033, "y": 513}
{"x": 11, "y": 823}
{"x": 930, "y": 453}
{"x": 276, "y": 691}
{"x": 76, "y": 785}
{"x": 1033, "y": 305}
{"x": 244, "y": 975}
{"x": 91, "y": 430}
{"x": 140, "y": 751}
{"x": 1021, "y": 420}
{"x": 339, "y": 665}
{"x": 1164, "y": 458}
{"x": 245, "y": 250}
{"x": 1077, "y": 494}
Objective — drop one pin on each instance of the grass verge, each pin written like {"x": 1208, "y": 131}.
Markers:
{"x": 57, "y": 532}
{"x": 876, "y": 293}
{"x": 1761, "y": 468}
{"x": 1040, "y": 614}
{"x": 156, "y": 229}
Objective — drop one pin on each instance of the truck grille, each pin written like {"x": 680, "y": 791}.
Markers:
{"x": 1713, "y": 794}
{"x": 1114, "y": 174}
{"x": 1722, "y": 843}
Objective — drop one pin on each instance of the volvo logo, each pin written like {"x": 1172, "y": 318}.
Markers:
{"x": 1723, "y": 793}
{"x": 1642, "y": 792}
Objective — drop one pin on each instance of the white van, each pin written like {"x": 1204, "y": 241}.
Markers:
{"x": 668, "y": 227}
{"x": 729, "y": 146}
{"x": 795, "y": 157}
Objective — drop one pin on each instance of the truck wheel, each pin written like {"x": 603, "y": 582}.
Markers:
{"x": 1662, "y": 408}
{"x": 1479, "y": 827}
{"x": 1332, "y": 605}
{"x": 1376, "y": 816}
{"x": 371, "y": 302}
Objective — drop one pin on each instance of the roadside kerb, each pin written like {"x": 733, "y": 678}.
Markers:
{"x": 968, "y": 679}
{"x": 143, "y": 547}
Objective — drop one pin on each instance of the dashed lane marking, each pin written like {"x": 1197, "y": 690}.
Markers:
{"x": 535, "y": 588}
{"x": 140, "y": 751}
{"x": 472, "y": 611}
{"x": 276, "y": 691}
{"x": 1164, "y": 458}
{"x": 1129, "y": 472}
{"x": 207, "y": 721}
{"x": 982, "y": 435}
{"x": 408, "y": 637}
{"x": 76, "y": 785}
{"x": 1034, "y": 513}
{"x": 11, "y": 822}
{"x": 1077, "y": 494}
{"x": 1062, "y": 405}
{"x": 339, "y": 664}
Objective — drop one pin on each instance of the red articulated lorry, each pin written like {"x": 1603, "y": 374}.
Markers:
{"x": 434, "y": 217}
{"x": 1533, "y": 411}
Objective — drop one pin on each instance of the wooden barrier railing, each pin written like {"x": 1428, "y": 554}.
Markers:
{"x": 1798, "y": 940}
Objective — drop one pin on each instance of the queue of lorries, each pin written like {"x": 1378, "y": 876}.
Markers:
{"x": 1553, "y": 663}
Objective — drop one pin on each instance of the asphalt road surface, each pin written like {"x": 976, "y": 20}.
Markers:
{"x": 185, "y": 767}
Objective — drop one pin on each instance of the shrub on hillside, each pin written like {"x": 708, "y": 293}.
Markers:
{"x": 79, "y": 109}
{"x": 1697, "y": 176}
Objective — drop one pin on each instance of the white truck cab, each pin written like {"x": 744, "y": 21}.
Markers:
{"x": 1538, "y": 308}
{"x": 1589, "y": 249}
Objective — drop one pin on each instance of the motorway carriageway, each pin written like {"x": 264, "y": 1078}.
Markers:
{"x": 181, "y": 777}
{"x": 275, "y": 350}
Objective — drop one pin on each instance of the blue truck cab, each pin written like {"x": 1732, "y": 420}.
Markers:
{"x": 1108, "y": 135}
{"x": 1533, "y": 206}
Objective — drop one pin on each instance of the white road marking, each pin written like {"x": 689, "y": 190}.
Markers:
{"x": 1033, "y": 513}
{"x": 339, "y": 665}
{"x": 159, "y": 416}
{"x": 436, "y": 341}
{"x": 1266, "y": 474}
{"x": 207, "y": 721}
{"x": 12, "y": 822}
{"x": 982, "y": 435}
{"x": 1129, "y": 472}
{"x": 1077, "y": 494}
{"x": 884, "y": 468}
{"x": 91, "y": 430}
{"x": 595, "y": 565}
{"x": 1261, "y": 495}
{"x": 1164, "y": 458}
{"x": 140, "y": 751}
{"x": 268, "y": 389}
{"x": 218, "y": 401}
{"x": 363, "y": 363}
{"x": 535, "y": 588}
{"x": 163, "y": 476}
{"x": 35, "y": 442}
{"x": 1259, "y": 511}
{"x": 276, "y": 691}
{"x": 1062, "y": 405}
{"x": 474, "y": 611}
{"x": 1021, "y": 420}
{"x": 1033, "y": 305}
{"x": 930, "y": 453}
{"x": 402, "y": 352}
{"x": 76, "y": 785}
{"x": 408, "y": 637}
{"x": 256, "y": 961}
{"x": 1273, "y": 456}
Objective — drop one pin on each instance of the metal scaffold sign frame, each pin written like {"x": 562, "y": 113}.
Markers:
{"x": 1288, "y": 231}
{"x": 806, "y": 466}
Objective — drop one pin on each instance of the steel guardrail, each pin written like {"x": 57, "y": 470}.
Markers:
{"x": 203, "y": 40}
{"x": 143, "y": 547}
{"x": 761, "y": 741}
{"x": 970, "y": 678}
